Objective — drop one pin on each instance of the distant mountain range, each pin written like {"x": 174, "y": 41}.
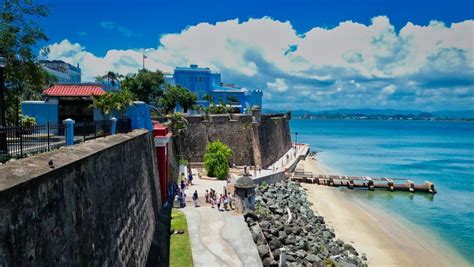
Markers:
{"x": 451, "y": 114}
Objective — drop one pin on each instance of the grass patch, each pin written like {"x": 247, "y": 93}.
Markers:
{"x": 180, "y": 246}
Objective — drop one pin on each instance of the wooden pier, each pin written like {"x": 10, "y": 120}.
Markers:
{"x": 363, "y": 182}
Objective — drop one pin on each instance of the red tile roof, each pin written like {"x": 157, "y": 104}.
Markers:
{"x": 74, "y": 90}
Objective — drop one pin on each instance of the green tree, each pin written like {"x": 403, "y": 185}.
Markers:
{"x": 145, "y": 85}
{"x": 218, "y": 109}
{"x": 19, "y": 38}
{"x": 216, "y": 160}
{"x": 209, "y": 98}
{"x": 167, "y": 102}
{"x": 174, "y": 95}
{"x": 177, "y": 122}
{"x": 232, "y": 99}
{"x": 186, "y": 99}
{"x": 112, "y": 77}
{"x": 118, "y": 100}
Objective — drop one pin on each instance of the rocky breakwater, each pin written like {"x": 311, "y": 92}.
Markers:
{"x": 283, "y": 218}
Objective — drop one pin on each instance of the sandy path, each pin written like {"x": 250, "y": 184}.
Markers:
{"x": 385, "y": 240}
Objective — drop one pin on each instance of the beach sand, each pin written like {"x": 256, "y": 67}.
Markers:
{"x": 386, "y": 240}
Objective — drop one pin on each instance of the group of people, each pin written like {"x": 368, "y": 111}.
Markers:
{"x": 223, "y": 200}
{"x": 186, "y": 182}
{"x": 180, "y": 190}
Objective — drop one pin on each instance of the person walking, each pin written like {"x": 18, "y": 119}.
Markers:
{"x": 182, "y": 199}
{"x": 207, "y": 196}
{"x": 219, "y": 203}
{"x": 196, "y": 199}
{"x": 190, "y": 178}
{"x": 226, "y": 202}
{"x": 183, "y": 186}
{"x": 229, "y": 196}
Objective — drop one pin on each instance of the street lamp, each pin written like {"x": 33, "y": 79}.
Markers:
{"x": 296, "y": 141}
{"x": 3, "y": 134}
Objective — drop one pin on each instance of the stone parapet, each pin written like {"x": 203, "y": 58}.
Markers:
{"x": 95, "y": 203}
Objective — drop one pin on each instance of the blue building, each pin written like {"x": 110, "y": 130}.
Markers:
{"x": 64, "y": 72}
{"x": 204, "y": 82}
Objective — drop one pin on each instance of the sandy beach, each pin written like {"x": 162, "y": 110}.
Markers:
{"x": 386, "y": 240}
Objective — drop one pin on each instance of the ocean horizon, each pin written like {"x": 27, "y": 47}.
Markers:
{"x": 438, "y": 151}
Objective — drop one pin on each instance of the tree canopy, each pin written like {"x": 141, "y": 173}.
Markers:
{"x": 145, "y": 85}
{"x": 216, "y": 160}
{"x": 232, "y": 99}
{"x": 174, "y": 95}
{"x": 19, "y": 38}
{"x": 118, "y": 100}
{"x": 111, "y": 77}
{"x": 177, "y": 122}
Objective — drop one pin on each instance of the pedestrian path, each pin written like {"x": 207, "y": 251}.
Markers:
{"x": 218, "y": 238}
{"x": 288, "y": 159}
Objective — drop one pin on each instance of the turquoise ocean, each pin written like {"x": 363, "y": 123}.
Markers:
{"x": 439, "y": 151}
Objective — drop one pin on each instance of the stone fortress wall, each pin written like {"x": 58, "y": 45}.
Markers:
{"x": 255, "y": 140}
{"x": 98, "y": 206}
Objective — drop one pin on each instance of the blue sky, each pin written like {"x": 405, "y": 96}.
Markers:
{"x": 378, "y": 54}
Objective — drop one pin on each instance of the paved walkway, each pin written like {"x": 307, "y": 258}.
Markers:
{"x": 218, "y": 238}
{"x": 283, "y": 162}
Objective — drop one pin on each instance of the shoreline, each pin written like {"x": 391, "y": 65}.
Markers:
{"x": 387, "y": 239}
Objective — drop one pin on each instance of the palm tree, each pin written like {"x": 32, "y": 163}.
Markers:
{"x": 112, "y": 77}
{"x": 209, "y": 98}
{"x": 232, "y": 99}
{"x": 118, "y": 100}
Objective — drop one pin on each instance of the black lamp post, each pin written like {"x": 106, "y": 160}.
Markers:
{"x": 296, "y": 140}
{"x": 3, "y": 134}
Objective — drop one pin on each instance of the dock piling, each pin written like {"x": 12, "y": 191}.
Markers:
{"x": 364, "y": 182}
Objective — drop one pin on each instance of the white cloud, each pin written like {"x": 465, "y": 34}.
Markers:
{"x": 349, "y": 65}
{"x": 278, "y": 85}
{"x": 389, "y": 89}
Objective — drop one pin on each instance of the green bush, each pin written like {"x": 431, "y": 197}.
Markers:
{"x": 27, "y": 120}
{"x": 216, "y": 160}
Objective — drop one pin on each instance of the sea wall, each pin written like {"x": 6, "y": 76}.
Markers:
{"x": 98, "y": 206}
{"x": 254, "y": 141}
{"x": 283, "y": 218}
{"x": 274, "y": 137}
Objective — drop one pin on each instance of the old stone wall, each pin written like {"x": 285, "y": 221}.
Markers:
{"x": 235, "y": 131}
{"x": 274, "y": 138}
{"x": 173, "y": 158}
{"x": 253, "y": 141}
{"x": 97, "y": 207}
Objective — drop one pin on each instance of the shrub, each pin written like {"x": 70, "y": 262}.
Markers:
{"x": 216, "y": 160}
{"x": 27, "y": 120}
